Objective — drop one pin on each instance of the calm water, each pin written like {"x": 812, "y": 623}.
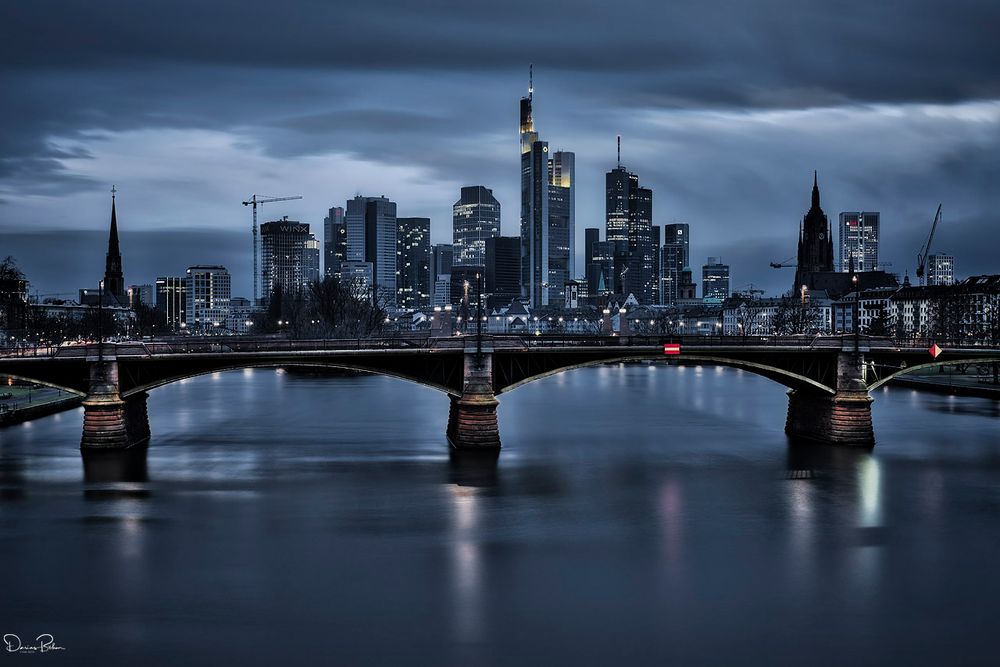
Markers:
{"x": 637, "y": 515}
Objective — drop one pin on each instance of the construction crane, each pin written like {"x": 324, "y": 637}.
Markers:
{"x": 783, "y": 265}
{"x": 925, "y": 251}
{"x": 253, "y": 201}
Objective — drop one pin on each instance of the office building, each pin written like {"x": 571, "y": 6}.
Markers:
{"x": 413, "y": 263}
{"x": 674, "y": 258}
{"x": 547, "y": 214}
{"x": 141, "y": 295}
{"x": 289, "y": 256}
{"x": 171, "y": 301}
{"x": 334, "y": 242}
{"x": 715, "y": 280}
{"x": 503, "y": 273}
{"x": 475, "y": 218}
{"x": 209, "y": 290}
{"x": 940, "y": 269}
{"x": 357, "y": 278}
{"x": 240, "y": 316}
{"x": 859, "y": 236}
{"x": 442, "y": 256}
{"x": 371, "y": 237}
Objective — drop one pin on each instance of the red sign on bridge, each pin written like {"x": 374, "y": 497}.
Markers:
{"x": 671, "y": 348}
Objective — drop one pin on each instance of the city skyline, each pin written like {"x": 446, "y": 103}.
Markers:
{"x": 730, "y": 158}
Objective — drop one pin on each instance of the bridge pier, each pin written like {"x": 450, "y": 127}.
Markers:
{"x": 844, "y": 418}
{"x": 110, "y": 422}
{"x": 472, "y": 417}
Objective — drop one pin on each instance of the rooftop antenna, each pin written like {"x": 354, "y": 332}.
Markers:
{"x": 531, "y": 79}
{"x": 619, "y": 151}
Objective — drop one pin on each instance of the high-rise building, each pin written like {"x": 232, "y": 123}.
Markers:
{"x": 240, "y": 314}
{"x": 815, "y": 245}
{"x": 715, "y": 280}
{"x": 859, "y": 235}
{"x": 114, "y": 280}
{"x": 562, "y": 224}
{"x": 547, "y": 214}
{"x": 475, "y": 218}
{"x": 628, "y": 222}
{"x": 940, "y": 269}
{"x": 371, "y": 237}
{"x": 465, "y": 281}
{"x": 209, "y": 290}
{"x": 503, "y": 270}
{"x": 310, "y": 263}
{"x": 334, "y": 242}
{"x": 141, "y": 294}
{"x": 674, "y": 256}
{"x": 442, "y": 259}
{"x": 413, "y": 263}
{"x": 289, "y": 256}
{"x": 171, "y": 301}
{"x": 600, "y": 271}
{"x": 655, "y": 242}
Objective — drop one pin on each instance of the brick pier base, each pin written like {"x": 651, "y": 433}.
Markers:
{"x": 842, "y": 419}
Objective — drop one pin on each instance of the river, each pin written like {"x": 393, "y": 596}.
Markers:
{"x": 638, "y": 514}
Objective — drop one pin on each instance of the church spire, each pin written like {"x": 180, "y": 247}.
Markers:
{"x": 815, "y": 199}
{"x": 114, "y": 281}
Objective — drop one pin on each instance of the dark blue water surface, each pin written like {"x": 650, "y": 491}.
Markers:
{"x": 636, "y": 515}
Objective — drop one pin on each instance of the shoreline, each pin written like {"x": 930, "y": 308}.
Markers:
{"x": 30, "y": 412}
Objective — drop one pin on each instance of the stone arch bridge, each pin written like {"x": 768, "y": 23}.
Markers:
{"x": 829, "y": 378}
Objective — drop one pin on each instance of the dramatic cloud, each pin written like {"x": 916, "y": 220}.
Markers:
{"x": 725, "y": 108}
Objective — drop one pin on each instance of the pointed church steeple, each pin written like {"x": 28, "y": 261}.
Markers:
{"x": 815, "y": 198}
{"x": 114, "y": 281}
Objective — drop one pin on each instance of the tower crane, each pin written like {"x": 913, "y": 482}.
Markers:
{"x": 925, "y": 251}
{"x": 784, "y": 265}
{"x": 254, "y": 201}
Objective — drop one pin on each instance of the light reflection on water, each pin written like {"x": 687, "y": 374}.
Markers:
{"x": 637, "y": 513}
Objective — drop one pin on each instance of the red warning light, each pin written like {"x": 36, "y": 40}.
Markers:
{"x": 671, "y": 348}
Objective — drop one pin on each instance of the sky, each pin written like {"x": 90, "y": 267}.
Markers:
{"x": 724, "y": 108}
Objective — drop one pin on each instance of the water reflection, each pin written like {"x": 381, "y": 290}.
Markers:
{"x": 128, "y": 465}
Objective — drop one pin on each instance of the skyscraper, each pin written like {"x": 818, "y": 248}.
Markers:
{"x": 413, "y": 262}
{"x": 289, "y": 256}
{"x": 334, "y": 242}
{"x": 815, "y": 245}
{"x": 171, "y": 301}
{"x": 675, "y": 256}
{"x": 503, "y": 283}
{"x": 859, "y": 236}
{"x": 715, "y": 280}
{"x": 209, "y": 291}
{"x": 475, "y": 218}
{"x": 562, "y": 224}
{"x": 940, "y": 269}
{"x": 371, "y": 237}
{"x": 629, "y": 220}
{"x": 547, "y": 214}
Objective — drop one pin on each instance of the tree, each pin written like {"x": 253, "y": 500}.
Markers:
{"x": 13, "y": 295}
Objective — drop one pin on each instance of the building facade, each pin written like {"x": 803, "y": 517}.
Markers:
{"x": 940, "y": 269}
{"x": 628, "y": 222}
{"x": 171, "y": 301}
{"x": 208, "y": 294}
{"x": 503, "y": 275}
{"x": 413, "y": 263}
{"x": 859, "y": 238}
{"x": 334, "y": 242}
{"x": 475, "y": 218}
{"x": 715, "y": 280}
{"x": 371, "y": 237}
{"x": 289, "y": 256}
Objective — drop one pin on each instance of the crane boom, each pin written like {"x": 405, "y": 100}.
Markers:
{"x": 925, "y": 251}
{"x": 253, "y": 201}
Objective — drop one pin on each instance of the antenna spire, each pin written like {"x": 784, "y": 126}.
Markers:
{"x": 619, "y": 151}
{"x": 113, "y": 191}
{"x": 531, "y": 79}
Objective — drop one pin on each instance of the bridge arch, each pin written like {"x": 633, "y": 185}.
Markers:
{"x": 782, "y": 376}
{"x": 931, "y": 364}
{"x": 171, "y": 378}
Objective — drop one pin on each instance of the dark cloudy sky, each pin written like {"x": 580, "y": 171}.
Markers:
{"x": 725, "y": 109}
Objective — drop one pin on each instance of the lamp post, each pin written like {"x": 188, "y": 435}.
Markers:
{"x": 100, "y": 321}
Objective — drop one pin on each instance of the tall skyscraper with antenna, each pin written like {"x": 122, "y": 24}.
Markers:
{"x": 548, "y": 212}
{"x": 629, "y": 224}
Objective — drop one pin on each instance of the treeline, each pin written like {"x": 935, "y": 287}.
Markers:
{"x": 326, "y": 308}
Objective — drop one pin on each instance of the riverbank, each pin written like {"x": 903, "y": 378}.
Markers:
{"x": 24, "y": 405}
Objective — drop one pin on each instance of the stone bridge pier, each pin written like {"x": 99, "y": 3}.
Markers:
{"x": 472, "y": 418}
{"x": 841, "y": 418}
{"x": 109, "y": 421}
